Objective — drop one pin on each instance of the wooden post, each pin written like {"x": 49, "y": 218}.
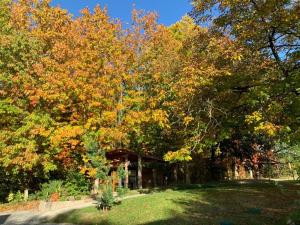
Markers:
{"x": 26, "y": 194}
{"x": 126, "y": 172}
{"x": 96, "y": 185}
{"x": 291, "y": 170}
{"x": 251, "y": 173}
{"x": 154, "y": 177}
{"x": 140, "y": 178}
{"x": 236, "y": 172}
{"x": 232, "y": 169}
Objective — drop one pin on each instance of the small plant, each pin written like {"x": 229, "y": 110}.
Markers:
{"x": 106, "y": 201}
{"x": 19, "y": 197}
{"x": 121, "y": 172}
{"x": 121, "y": 191}
{"x": 51, "y": 190}
{"x": 15, "y": 197}
{"x": 32, "y": 197}
{"x": 10, "y": 197}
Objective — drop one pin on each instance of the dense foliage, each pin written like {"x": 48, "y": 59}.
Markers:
{"x": 72, "y": 89}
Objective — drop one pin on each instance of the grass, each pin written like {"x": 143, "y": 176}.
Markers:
{"x": 251, "y": 203}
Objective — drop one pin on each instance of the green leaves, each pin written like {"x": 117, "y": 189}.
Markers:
{"x": 9, "y": 113}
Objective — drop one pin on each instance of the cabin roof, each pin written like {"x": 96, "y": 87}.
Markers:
{"x": 132, "y": 156}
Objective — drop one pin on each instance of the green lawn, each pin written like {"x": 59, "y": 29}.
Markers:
{"x": 225, "y": 203}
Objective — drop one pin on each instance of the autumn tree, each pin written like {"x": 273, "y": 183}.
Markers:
{"x": 24, "y": 131}
{"x": 268, "y": 33}
{"x": 271, "y": 31}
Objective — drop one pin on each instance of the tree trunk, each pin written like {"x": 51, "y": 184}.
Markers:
{"x": 175, "y": 173}
{"x": 126, "y": 172}
{"x": 213, "y": 173}
{"x": 154, "y": 177}
{"x": 187, "y": 174}
{"x": 140, "y": 178}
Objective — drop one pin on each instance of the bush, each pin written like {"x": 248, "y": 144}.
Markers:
{"x": 121, "y": 172}
{"x": 121, "y": 191}
{"x": 106, "y": 201}
{"x": 15, "y": 197}
{"x": 76, "y": 185}
{"x": 52, "y": 189}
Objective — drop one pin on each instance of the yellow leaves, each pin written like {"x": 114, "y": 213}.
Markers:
{"x": 267, "y": 128}
{"x": 253, "y": 118}
{"x": 218, "y": 151}
{"x": 91, "y": 172}
{"x": 19, "y": 15}
{"x": 60, "y": 51}
{"x": 161, "y": 117}
{"x": 228, "y": 73}
{"x": 91, "y": 123}
{"x": 41, "y": 131}
{"x": 187, "y": 120}
{"x": 109, "y": 136}
{"x": 182, "y": 155}
{"x": 120, "y": 107}
{"x": 67, "y": 134}
{"x": 109, "y": 117}
{"x": 48, "y": 166}
{"x": 157, "y": 76}
{"x": 85, "y": 159}
{"x": 61, "y": 107}
{"x": 73, "y": 143}
{"x": 152, "y": 103}
{"x": 21, "y": 155}
{"x": 237, "y": 56}
{"x": 262, "y": 127}
{"x": 185, "y": 28}
{"x": 34, "y": 100}
{"x": 136, "y": 117}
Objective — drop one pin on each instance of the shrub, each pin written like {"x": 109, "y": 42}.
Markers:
{"x": 121, "y": 191}
{"x": 48, "y": 190}
{"x": 10, "y": 197}
{"x": 15, "y": 197}
{"x": 121, "y": 172}
{"x": 76, "y": 185}
{"x": 106, "y": 201}
{"x": 32, "y": 197}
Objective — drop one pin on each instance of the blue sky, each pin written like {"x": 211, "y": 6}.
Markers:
{"x": 169, "y": 11}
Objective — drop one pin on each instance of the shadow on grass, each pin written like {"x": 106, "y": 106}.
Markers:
{"x": 226, "y": 203}
{"x": 221, "y": 184}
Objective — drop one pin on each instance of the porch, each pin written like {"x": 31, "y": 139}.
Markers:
{"x": 141, "y": 171}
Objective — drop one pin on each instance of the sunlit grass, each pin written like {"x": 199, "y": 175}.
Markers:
{"x": 235, "y": 204}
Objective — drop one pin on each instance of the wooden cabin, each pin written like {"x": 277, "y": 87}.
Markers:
{"x": 141, "y": 171}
